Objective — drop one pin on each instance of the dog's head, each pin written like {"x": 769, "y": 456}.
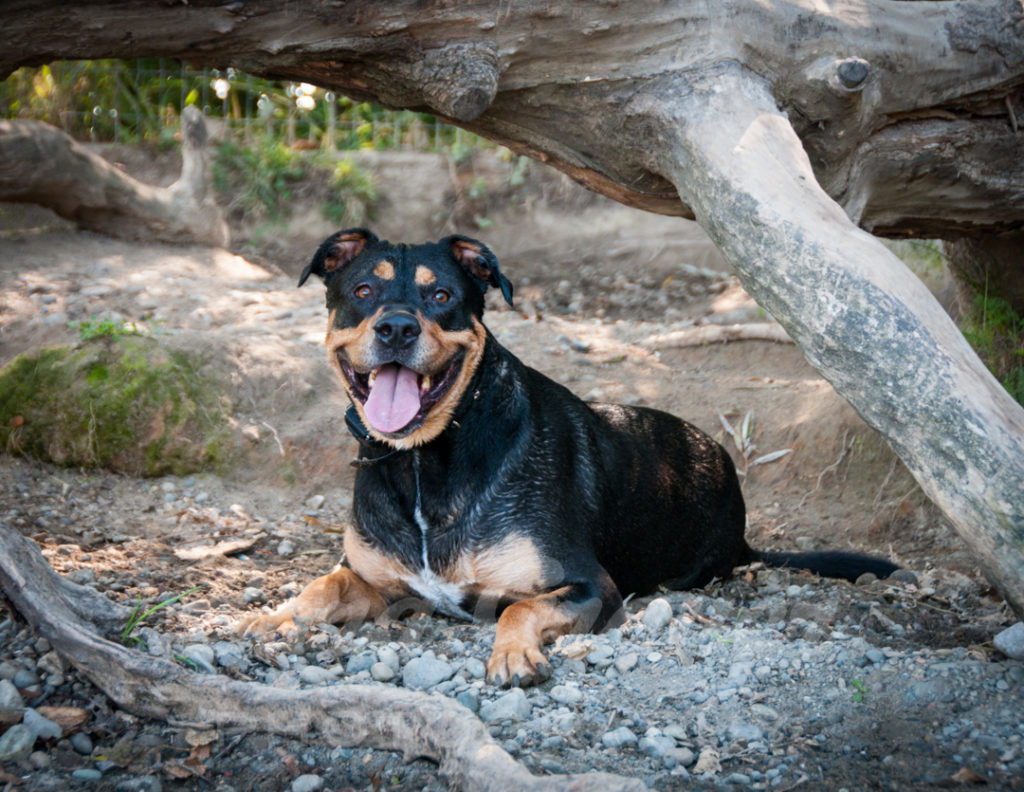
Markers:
{"x": 404, "y": 327}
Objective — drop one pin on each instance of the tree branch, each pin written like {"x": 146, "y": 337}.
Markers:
{"x": 862, "y": 319}
{"x": 354, "y": 715}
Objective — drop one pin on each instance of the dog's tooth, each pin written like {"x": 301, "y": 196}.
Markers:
{"x": 425, "y": 384}
{"x": 371, "y": 378}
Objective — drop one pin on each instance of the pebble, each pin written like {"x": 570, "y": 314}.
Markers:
{"x": 626, "y": 662}
{"x": 315, "y": 675}
{"x": 285, "y": 548}
{"x": 16, "y": 743}
{"x": 202, "y": 655}
{"x": 229, "y": 655}
{"x": 44, "y": 728}
{"x": 1011, "y": 641}
{"x": 475, "y": 667}
{"x": 617, "y": 738}
{"x": 10, "y": 698}
{"x": 382, "y": 672}
{"x": 657, "y": 615}
{"x": 566, "y": 694}
{"x": 81, "y": 742}
{"x": 252, "y": 595}
{"x": 364, "y": 661}
{"x": 307, "y": 783}
{"x": 511, "y": 706}
{"x": 656, "y": 745}
{"x": 469, "y": 699}
{"x": 389, "y": 657}
{"x": 426, "y": 671}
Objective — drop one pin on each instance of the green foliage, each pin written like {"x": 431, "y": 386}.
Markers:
{"x": 352, "y": 195}
{"x": 137, "y": 618}
{"x": 258, "y": 179}
{"x": 91, "y": 328}
{"x": 858, "y": 692}
{"x": 996, "y": 332}
{"x": 131, "y": 405}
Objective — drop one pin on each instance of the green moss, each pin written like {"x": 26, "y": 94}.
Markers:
{"x": 129, "y": 404}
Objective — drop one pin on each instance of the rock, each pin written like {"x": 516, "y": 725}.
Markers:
{"x": 81, "y": 743}
{"x": 362, "y": 662}
{"x": 475, "y": 668}
{"x": 307, "y": 783}
{"x": 469, "y": 699}
{"x": 681, "y": 756}
{"x": 617, "y": 738}
{"x": 25, "y": 679}
{"x": 382, "y": 672}
{"x": 426, "y": 671}
{"x": 511, "y": 706}
{"x": 707, "y": 762}
{"x": 82, "y": 577}
{"x": 566, "y": 694}
{"x": 10, "y": 698}
{"x": 44, "y": 728}
{"x": 747, "y": 732}
{"x": 656, "y": 745}
{"x": 627, "y": 662}
{"x": 145, "y": 784}
{"x": 314, "y": 503}
{"x": 252, "y": 595}
{"x": 202, "y": 655}
{"x": 52, "y": 663}
{"x": 285, "y": 548}
{"x": 904, "y": 576}
{"x": 315, "y": 675}
{"x": 389, "y": 657}
{"x": 657, "y": 615}
{"x": 16, "y": 743}
{"x": 87, "y": 774}
{"x": 229, "y": 655}
{"x": 1011, "y": 641}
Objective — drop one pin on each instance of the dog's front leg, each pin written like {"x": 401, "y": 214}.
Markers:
{"x": 528, "y": 624}
{"x": 337, "y": 597}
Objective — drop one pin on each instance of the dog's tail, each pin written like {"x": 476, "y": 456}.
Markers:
{"x": 829, "y": 563}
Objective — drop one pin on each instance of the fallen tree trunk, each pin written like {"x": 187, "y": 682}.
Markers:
{"x": 417, "y": 724}
{"x": 40, "y": 164}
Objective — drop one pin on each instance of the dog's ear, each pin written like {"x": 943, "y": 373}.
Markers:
{"x": 478, "y": 260}
{"x": 336, "y": 251}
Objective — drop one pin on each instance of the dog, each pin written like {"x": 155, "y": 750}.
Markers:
{"x": 485, "y": 489}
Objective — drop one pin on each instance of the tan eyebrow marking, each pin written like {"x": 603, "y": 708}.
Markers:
{"x": 385, "y": 270}
{"x": 425, "y": 276}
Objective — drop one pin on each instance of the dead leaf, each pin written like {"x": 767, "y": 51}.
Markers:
{"x": 707, "y": 762}
{"x": 967, "y": 776}
{"x": 198, "y": 737}
{"x": 68, "y": 718}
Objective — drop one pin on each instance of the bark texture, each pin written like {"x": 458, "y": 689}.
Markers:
{"x": 40, "y": 164}
{"x": 72, "y": 618}
{"x": 780, "y": 126}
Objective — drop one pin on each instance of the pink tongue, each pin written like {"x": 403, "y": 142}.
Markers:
{"x": 394, "y": 399}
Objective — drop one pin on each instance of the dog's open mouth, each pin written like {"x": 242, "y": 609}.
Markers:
{"x": 395, "y": 398}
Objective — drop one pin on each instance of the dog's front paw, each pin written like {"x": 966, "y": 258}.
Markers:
{"x": 517, "y": 665}
{"x": 258, "y": 625}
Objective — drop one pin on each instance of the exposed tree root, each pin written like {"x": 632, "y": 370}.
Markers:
{"x": 40, "y": 164}
{"x": 419, "y": 725}
{"x": 716, "y": 334}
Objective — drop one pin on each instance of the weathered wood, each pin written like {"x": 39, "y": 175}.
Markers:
{"x": 354, "y": 715}
{"x": 42, "y": 165}
{"x": 861, "y": 317}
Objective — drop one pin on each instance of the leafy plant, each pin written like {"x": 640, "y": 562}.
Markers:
{"x": 996, "y": 332}
{"x": 858, "y": 692}
{"x": 352, "y": 194}
{"x": 138, "y": 617}
{"x": 91, "y": 328}
{"x": 259, "y": 178}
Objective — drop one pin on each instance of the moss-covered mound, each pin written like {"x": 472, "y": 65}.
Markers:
{"x": 130, "y": 404}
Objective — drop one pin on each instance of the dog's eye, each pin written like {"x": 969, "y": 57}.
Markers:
{"x": 363, "y": 291}
{"x": 442, "y": 296}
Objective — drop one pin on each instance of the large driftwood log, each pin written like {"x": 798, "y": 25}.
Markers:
{"x": 73, "y": 617}
{"x": 773, "y": 124}
{"x": 40, "y": 164}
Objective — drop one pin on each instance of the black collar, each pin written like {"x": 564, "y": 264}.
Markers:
{"x": 366, "y": 441}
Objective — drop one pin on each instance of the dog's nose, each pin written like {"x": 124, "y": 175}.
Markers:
{"x": 397, "y": 329}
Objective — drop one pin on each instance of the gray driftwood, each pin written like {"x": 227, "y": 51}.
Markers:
{"x": 73, "y": 618}
{"x": 40, "y": 164}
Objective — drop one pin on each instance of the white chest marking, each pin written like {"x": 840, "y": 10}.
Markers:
{"x": 446, "y": 596}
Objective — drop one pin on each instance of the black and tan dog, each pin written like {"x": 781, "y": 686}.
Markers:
{"x": 485, "y": 488}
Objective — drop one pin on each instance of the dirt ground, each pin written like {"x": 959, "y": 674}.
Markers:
{"x": 600, "y": 290}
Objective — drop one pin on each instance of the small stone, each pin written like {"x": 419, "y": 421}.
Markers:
{"x": 681, "y": 756}
{"x": 658, "y": 614}
{"x": 656, "y": 745}
{"x": 601, "y": 656}
{"x": 25, "y": 679}
{"x": 426, "y": 671}
{"x": 252, "y": 595}
{"x": 747, "y": 732}
{"x": 307, "y": 783}
{"x": 361, "y": 662}
{"x": 145, "y": 784}
{"x": 285, "y": 548}
{"x": 904, "y": 576}
{"x": 382, "y": 672}
{"x": 82, "y": 577}
{"x": 315, "y": 675}
{"x": 81, "y": 743}
{"x": 389, "y": 657}
{"x": 52, "y": 663}
{"x": 475, "y": 667}
{"x": 764, "y": 712}
{"x": 44, "y": 728}
{"x": 229, "y": 655}
{"x": 202, "y": 655}
{"x": 40, "y": 760}
{"x": 10, "y": 698}
{"x": 1011, "y": 641}
{"x": 627, "y": 662}
{"x": 708, "y": 762}
{"x": 511, "y": 706}
{"x": 876, "y": 656}
{"x": 251, "y": 432}
{"x": 616, "y": 738}
{"x": 565, "y": 694}
{"x": 314, "y": 503}
{"x": 469, "y": 699}
{"x": 87, "y": 774}
{"x": 16, "y": 743}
